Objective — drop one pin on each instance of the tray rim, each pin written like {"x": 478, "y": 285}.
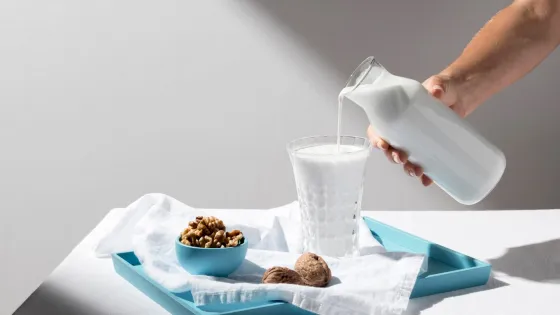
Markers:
{"x": 122, "y": 262}
{"x": 481, "y": 264}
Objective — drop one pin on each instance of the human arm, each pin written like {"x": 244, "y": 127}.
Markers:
{"x": 508, "y": 47}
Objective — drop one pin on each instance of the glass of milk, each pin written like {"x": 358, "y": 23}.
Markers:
{"x": 329, "y": 178}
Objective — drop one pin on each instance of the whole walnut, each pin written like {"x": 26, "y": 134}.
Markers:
{"x": 313, "y": 269}
{"x": 282, "y": 275}
{"x": 310, "y": 270}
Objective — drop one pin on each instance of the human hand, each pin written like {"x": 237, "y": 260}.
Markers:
{"x": 442, "y": 88}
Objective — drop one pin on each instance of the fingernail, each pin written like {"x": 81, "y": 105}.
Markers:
{"x": 396, "y": 157}
{"x": 437, "y": 91}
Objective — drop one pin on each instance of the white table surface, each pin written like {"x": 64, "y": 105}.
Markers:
{"x": 522, "y": 245}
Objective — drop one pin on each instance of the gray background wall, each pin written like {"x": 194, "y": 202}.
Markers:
{"x": 103, "y": 101}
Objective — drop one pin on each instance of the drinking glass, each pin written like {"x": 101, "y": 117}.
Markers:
{"x": 329, "y": 181}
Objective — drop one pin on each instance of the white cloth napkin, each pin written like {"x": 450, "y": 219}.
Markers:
{"x": 375, "y": 283}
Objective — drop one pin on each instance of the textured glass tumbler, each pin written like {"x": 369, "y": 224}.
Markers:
{"x": 329, "y": 181}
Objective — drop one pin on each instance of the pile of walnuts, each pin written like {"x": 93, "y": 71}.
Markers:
{"x": 310, "y": 270}
{"x": 210, "y": 232}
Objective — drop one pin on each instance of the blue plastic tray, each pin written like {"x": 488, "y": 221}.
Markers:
{"x": 448, "y": 270}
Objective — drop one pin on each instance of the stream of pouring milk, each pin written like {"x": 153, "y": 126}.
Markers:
{"x": 339, "y": 124}
{"x": 340, "y": 104}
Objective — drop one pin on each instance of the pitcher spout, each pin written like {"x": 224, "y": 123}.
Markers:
{"x": 366, "y": 73}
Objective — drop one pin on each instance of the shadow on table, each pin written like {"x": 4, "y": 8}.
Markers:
{"x": 416, "y": 306}
{"x": 48, "y": 300}
{"x": 538, "y": 262}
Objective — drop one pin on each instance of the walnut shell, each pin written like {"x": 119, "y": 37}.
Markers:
{"x": 313, "y": 269}
{"x": 282, "y": 275}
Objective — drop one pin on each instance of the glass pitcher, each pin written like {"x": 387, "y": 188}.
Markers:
{"x": 451, "y": 152}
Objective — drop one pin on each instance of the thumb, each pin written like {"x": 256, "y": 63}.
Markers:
{"x": 438, "y": 87}
{"x": 435, "y": 86}
{"x": 437, "y": 91}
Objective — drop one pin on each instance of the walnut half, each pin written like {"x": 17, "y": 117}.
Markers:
{"x": 210, "y": 232}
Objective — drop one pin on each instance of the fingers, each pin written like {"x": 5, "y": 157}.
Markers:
{"x": 426, "y": 181}
{"x": 413, "y": 170}
{"x": 376, "y": 141}
{"x": 417, "y": 171}
{"x": 383, "y": 145}
{"x": 398, "y": 157}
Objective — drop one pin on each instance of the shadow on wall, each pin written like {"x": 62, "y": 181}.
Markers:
{"x": 412, "y": 41}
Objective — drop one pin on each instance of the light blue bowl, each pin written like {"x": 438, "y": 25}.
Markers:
{"x": 216, "y": 262}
